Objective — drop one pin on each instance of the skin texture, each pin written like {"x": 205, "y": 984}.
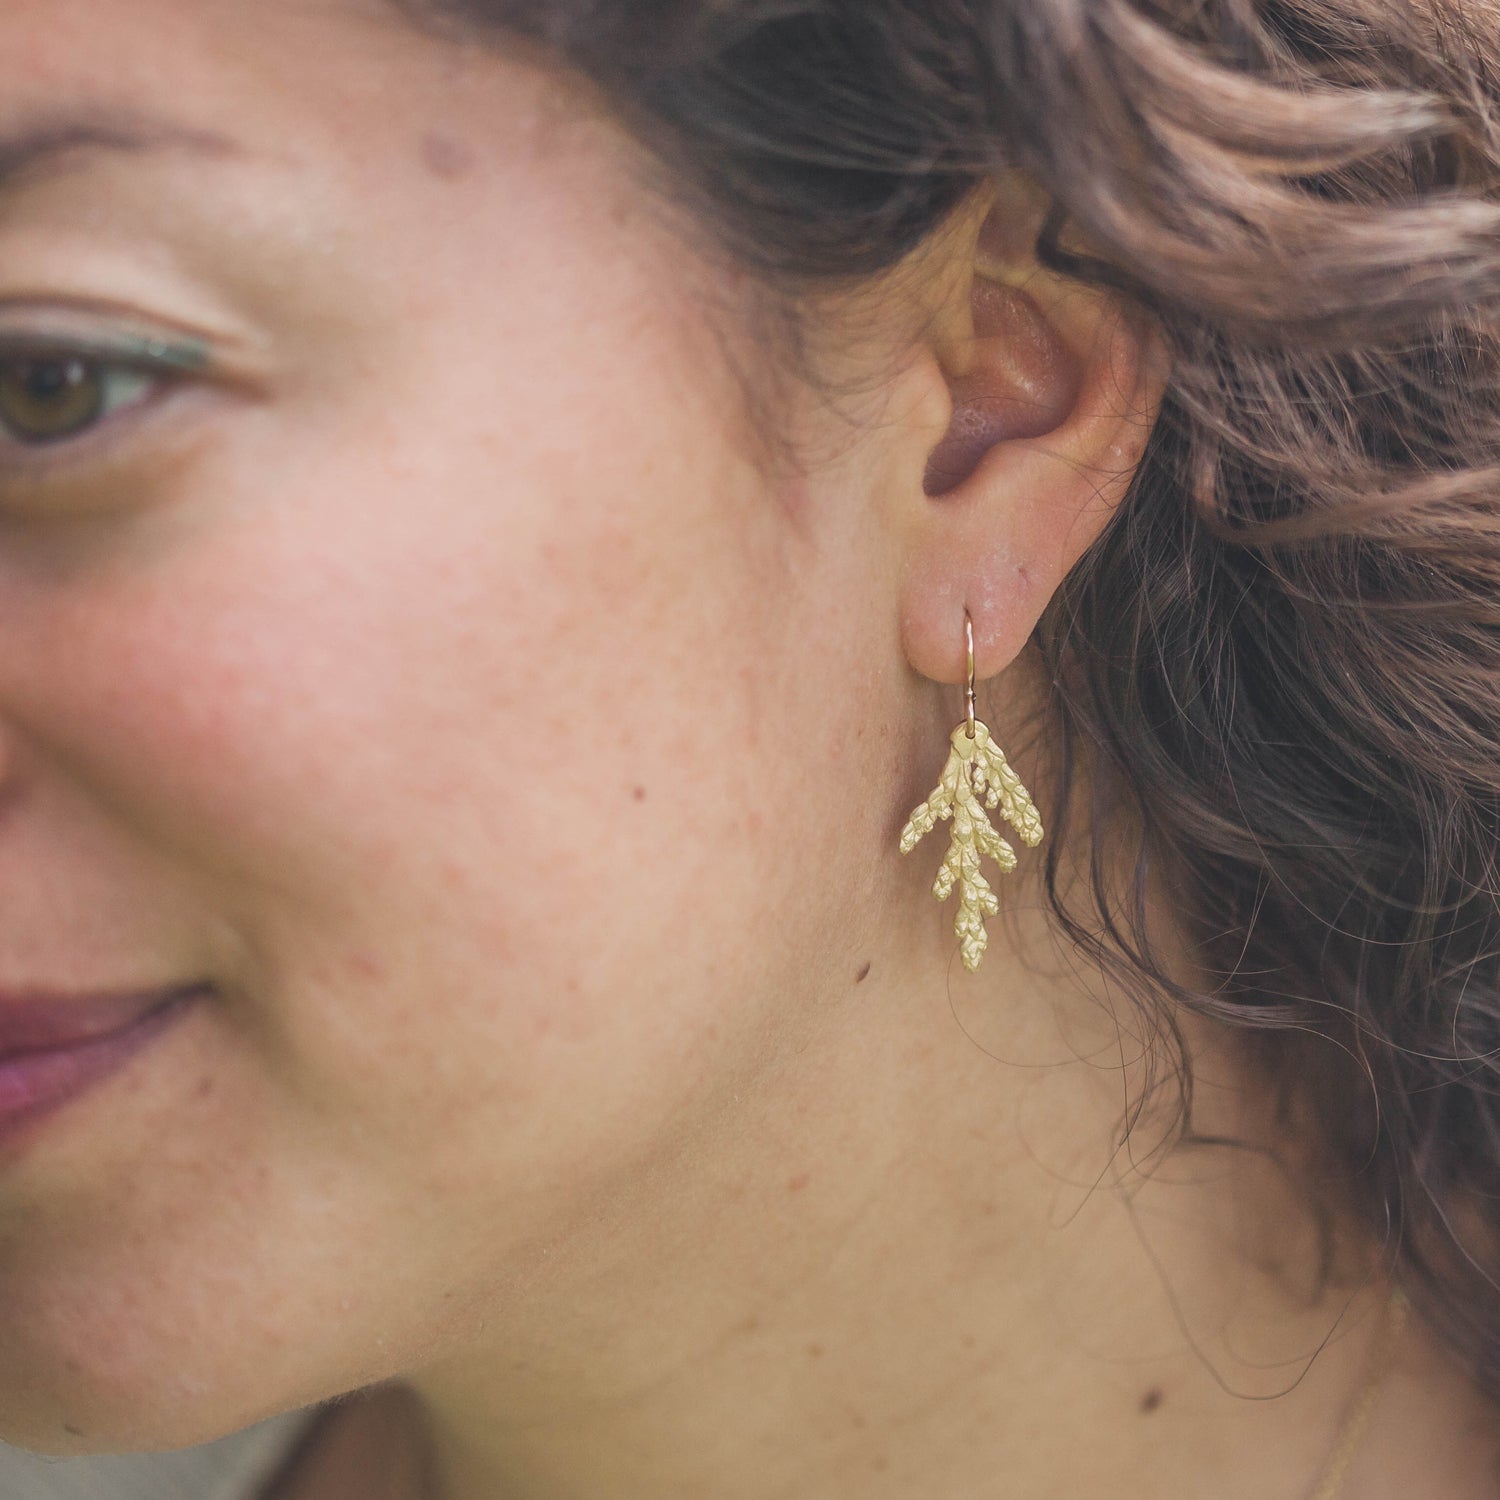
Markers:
{"x": 441, "y": 674}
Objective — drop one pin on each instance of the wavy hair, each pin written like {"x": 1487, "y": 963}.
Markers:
{"x": 1283, "y": 654}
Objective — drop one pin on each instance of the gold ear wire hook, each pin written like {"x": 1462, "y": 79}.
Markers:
{"x": 969, "y": 693}
{"x": 976, "y": 769}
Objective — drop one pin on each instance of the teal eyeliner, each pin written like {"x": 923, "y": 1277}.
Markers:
{"x": 161, "y": 354}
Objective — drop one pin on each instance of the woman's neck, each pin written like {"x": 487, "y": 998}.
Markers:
{"x": 921, "y": 1266}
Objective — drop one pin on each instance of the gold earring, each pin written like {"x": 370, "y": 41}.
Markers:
{"x": 976, "y": 768}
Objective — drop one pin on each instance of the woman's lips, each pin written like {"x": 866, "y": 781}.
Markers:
{"x": 52, "y": 1052}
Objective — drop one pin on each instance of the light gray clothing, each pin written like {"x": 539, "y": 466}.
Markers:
{"x": 234, "y": 1468}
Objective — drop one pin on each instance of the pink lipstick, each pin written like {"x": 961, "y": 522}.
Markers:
{"x": 54, "y": 1049}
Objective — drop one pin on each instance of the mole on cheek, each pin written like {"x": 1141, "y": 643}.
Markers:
{"x": 445, "y": 157}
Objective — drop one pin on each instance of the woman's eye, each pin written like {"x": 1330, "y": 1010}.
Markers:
{"x": 51, "y": 398}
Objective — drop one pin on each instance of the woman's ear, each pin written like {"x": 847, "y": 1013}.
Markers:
{"x": 1051, "y": 389}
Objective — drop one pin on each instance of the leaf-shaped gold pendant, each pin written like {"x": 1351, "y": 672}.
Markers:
{"x": 976, "y": 769}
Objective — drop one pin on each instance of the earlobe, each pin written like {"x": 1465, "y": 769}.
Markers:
{"x": 1054, "y": 391}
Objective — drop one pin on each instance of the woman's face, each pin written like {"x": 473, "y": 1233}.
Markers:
{"x": 400, "y": 637}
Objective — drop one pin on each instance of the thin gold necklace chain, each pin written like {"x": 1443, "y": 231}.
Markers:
{"x": 1331, "y": 1483}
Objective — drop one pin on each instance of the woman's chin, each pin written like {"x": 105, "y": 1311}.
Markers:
{"x": 58, "y": 1409}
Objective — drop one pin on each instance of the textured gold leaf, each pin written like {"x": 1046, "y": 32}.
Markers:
{"x": 976, "y": 769}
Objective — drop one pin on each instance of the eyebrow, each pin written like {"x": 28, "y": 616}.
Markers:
{"x": 53, "y": 143}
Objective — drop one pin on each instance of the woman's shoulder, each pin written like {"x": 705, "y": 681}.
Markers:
{"x": 239, "y": 1467}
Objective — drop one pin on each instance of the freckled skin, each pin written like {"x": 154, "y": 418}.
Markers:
{"x": 447, "y": 157}
{"x": 353, "y": 707}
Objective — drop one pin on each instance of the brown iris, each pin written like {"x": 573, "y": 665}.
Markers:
{"x": 47, "y": 398}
